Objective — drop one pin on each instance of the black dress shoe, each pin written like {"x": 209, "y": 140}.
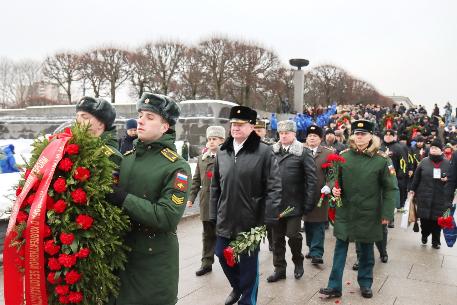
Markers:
{"x": 317, "y": 261}
{"x": 355, "y": 266}
{"x": 436, "y": 246}
{"x": 298, "y": 271}
{"x": 424, "y": 240}
{"x": 330, "y": 292}
{"x": 203, "y": 271}
{"x": 233, "y": 297}
{"x": 366, "y": 292}
{"x": 384, "y": 258}
{"x": 391, "y": 225}
{"x": 307, "y": 256}
{"x": 276, "y": 276}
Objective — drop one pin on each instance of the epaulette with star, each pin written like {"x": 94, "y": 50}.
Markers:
{"x": 382, "y": 154}
{"x": 108, "y": 151}
{"x": 129, "y": 152}
{"x": 169, "y": 154}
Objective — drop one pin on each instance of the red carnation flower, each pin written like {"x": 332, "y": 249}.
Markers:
{"x": 72, "y": 149}
{"x": 49, "y": 202}
{"x": 229, "y": 255}
{"x": 72, "y": 277}
{"x": 81, "y": 174}
{"x": 326, "y": 165}
{"x": 60, "y": 206}
{"x": 75, "y": 297}
{"x": 18, "y": 191}
{"x": 63, "y": 299}
{"x": 446, "y": 222}
{"x": 29, "y": 199}
{"x": 27, "y": 173}
{"x": 79, "y": 196}
{"x": 53, "y": 264}
{"x": 65, "y": 164}
{"x": 209, "y": 174}
{"x": 84, "y": 221}
{"x": 67, "y": 260}
{"x": 62, "y": 289}
{"x": 52, "y": 278}
{"x": 60, "y": 185}
{"x": 66, "y": 238}
{"x": 83, "y": 253}
{"x": 50, "y": 247}
{"x": 36, "y": 185}
{"x": 21, "y": 216}
{"x": 47, "y": 231}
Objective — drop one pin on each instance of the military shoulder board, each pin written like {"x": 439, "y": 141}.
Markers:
{"x": 129, "y": 152}
{"x": 108, "y": 151}
{"x": 382, "y": 154}
{"x": 169, "y": 154}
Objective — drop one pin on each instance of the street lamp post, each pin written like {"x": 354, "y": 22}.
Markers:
{"x": 299, "y": 82}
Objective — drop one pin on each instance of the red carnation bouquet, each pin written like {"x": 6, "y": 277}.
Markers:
{"x": 447, "y": 222}
{"x": 64, "y": 241}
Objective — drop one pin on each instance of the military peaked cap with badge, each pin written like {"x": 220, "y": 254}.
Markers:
{"x": 242, "y": 114}
{"x": 101, "y": 109}
{"x": 260, "y": 124}
{"x": 162, "y": 105}
{"x": 362, "y": 126}
{"x": 315, "y": 130}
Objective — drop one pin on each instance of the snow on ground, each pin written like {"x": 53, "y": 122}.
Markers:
{"x": 8, "y": 181}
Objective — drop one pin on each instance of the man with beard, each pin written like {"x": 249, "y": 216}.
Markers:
{"x": 245, "y": 193}
{"x": 332, "y": 141}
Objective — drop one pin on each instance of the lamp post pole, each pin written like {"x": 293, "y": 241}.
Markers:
{"x": 299, "y": 82}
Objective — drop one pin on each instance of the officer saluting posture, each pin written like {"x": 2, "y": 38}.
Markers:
{"x": 153, "y": 190}
{"x": 245, "y": 193}
{"x": 368, "y": 192}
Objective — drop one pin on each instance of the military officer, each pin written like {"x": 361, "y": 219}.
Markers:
{"x": 316, "y": 220}
{"x": 368, "y": 192}
{"x": 201, "y": 182}
{"x": 153, "y": 191}
{"x": 99, "y": 115}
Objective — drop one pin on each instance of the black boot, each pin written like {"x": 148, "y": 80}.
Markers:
{"x": 233, "y": 297}
{"x": 298, "y": 271}
{"x": 317, "y": 261}
{"x": 330, "y": 292}
{"x": 203, "y": 270}
{"x": 366, "y": 292}
{"x": 355, "y": 267}
{"x": 384, "y": 258}
{"x": 276, "y": 276}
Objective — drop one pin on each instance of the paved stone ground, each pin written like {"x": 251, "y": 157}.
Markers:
{"x": 414, "y": 275}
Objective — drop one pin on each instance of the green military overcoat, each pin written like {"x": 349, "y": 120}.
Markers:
{"x": 201, "y": 182}
{"x": 369, "y": 192}
{"x": 156, "y": 179}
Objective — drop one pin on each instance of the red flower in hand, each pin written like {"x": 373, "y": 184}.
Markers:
{"x": 67, "y": 260}
{"x": 84, "y": 221}
{"x": 52, "y": 278}
{"x": 326, "y": 165}
{"x": 229, "y": 255}
{"x": 75, "y": 297}
{"x": 79, "y": 196}
{"x": 446, "y": 222}
{"x": 67, "y": 238}
{"x": 53, "y": 264}
{"x": 72, "y": 149}
{"x": 81, "y": 174}
{"x": 72, "y": 277}
{"x": 51, "y": 248}
{"x": 62, "y": 289}
{"x": 83, "y": 253}
{"x": 65, "y": 164}
{"x": 209, "y": 174}
{"x": 21, "y": 216}
{"x": 331, "y": 214}
{"x": 60, "y": 185}
{"x": 60, "y": 206}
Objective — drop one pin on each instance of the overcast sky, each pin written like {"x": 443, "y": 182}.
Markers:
{"x": 401, "y": 47}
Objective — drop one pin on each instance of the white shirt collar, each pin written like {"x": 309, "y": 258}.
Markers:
{"x": 237, "y": 147}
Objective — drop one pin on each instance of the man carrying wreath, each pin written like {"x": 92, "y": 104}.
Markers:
{"x": 368, "y": 191}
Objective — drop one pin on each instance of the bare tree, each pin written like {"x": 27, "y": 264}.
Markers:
{"x": 192, "y": 83}
{"x": 115, "y": 68}
{"x": 140, "y": 72}
{"x": 217, "y": 60}
{"x": 7, "y": 95}
{"x": 26, "y": 74}
{"x": 91, "y": 70}
{"x": 62, "y": 69}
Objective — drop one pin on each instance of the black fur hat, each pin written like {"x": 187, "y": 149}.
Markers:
{"x": 162, "y": 105}
{"x": 101, "y": 109}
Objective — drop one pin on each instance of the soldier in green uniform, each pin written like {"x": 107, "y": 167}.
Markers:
{"x": 368, "y": 192}
{"x": 201, "y": 182}
{"x": 153, "y": 191}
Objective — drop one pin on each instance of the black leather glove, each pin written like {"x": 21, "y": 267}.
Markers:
{"x": 117, "y": 197}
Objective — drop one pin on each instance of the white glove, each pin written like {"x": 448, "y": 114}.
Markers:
{"x": 326, "y": 190}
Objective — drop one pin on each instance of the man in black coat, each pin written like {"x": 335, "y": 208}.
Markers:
{"x": 298, "y": 177}
{"x": 245, "y": 193}
{"x": 451, "y": 185}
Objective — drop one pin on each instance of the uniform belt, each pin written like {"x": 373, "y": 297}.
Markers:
{"x": 138, "y": 227}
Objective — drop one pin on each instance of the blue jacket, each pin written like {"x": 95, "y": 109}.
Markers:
{"x": 8, "y": 163}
